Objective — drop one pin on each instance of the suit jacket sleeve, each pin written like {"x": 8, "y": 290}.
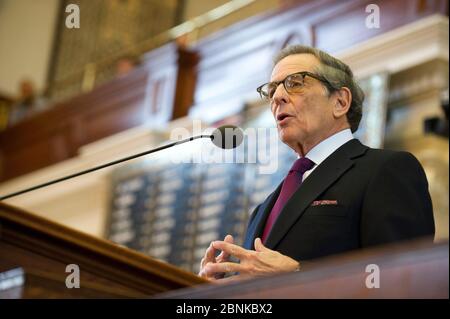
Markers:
{"x": 397, "y": 204}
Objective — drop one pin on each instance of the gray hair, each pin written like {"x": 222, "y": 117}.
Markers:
{"x": 337, "y": 73}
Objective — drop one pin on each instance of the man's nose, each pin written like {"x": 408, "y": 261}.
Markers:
{"x": 280, "y": 96}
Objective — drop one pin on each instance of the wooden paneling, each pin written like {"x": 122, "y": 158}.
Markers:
{"x": 347, "y": 24}
{"x": 186, "y": 84}
{"x": 235, "y": 61}
{"x": 150, "y": 94}
{"x": 43, "y": 249}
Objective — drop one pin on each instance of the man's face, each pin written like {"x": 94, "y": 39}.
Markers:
{"x": 305, "y": 117}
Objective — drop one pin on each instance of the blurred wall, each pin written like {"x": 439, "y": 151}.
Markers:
{"x": 26, "y": 39}
{"x": 194, "y": 8}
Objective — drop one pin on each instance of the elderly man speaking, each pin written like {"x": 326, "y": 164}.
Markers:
{"x": 339, "y": 194}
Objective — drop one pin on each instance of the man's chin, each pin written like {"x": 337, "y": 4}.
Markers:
{"x": 285, "y": 136}
{"x": 289, "y": 138}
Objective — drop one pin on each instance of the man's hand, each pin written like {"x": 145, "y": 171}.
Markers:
{"x": 209, "y": 257}
{"x": 259, "y": 262}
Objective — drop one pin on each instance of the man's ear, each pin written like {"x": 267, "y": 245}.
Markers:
{"x": 343, "y": 100}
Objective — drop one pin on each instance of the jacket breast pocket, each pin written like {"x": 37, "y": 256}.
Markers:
{"x": 326, "y": 210}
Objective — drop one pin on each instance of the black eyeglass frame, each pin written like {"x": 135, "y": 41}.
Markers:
{"x": 303, "y": 74}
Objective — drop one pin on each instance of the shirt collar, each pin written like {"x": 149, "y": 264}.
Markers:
{"x": 325, "y": 148}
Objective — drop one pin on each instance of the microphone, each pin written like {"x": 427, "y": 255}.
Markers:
{"x": 226, "y": 137}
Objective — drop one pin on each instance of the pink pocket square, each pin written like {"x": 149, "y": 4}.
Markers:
{"x": 324, "y": 202}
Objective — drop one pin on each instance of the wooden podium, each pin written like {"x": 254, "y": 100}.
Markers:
{"x": 34, "y": 254}
{"x": 414, "y": 269}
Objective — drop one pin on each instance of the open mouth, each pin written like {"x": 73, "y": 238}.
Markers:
{"x": 282, "y": 116}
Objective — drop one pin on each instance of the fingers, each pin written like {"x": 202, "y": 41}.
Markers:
{"x": 207, "y": 258}
{"x": 211, "y": 269}
{"x": 229, "y": 239}
{"x": 209, "y": 274}
{"x": 204, "y": 274}
{"x": 230, "y": 249}
{"x": 259, "y": 245}
{"x": 210, "y": 254}
{"x": 223, "y": 255}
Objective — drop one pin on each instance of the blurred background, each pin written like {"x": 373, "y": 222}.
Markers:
{"x": 86, "y": 84}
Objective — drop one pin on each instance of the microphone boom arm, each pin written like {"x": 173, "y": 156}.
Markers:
{"x": 103, "y": 166}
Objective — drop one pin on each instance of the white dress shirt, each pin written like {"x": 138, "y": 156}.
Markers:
{"x": 325, "y": 148}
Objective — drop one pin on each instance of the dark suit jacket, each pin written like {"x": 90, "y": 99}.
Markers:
{"x": 382, "y": 196}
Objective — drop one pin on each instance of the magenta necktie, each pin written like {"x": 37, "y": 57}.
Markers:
{"x": 292, "y": 181}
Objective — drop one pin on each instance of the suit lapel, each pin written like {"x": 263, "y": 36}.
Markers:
{"x": 320, "y": 179}
{"x": 255, "y": 228}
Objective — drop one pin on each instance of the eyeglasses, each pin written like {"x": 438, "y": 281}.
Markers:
{"x": 293, "y": 83}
